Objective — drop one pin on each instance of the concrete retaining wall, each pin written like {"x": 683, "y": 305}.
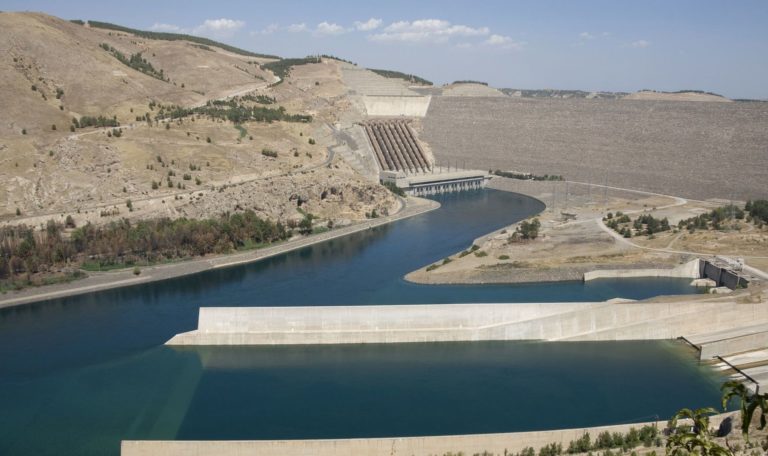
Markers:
{"x": 739, "y": 344}
{"x": 722, "y": 276}
{"x": 497, "y": 444}
{"x": 396, "y": 106}
{"x": 688, "y": 270}
{"x": 467, "y": 322}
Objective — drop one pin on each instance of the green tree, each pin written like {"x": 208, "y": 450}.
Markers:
{"x": 693, "y": 438}
{"x": 749, "y": 402}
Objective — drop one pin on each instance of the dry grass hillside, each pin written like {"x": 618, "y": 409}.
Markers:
{"x": 195, "y": 161}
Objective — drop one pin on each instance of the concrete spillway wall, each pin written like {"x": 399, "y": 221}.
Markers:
{"x": 499, "y": 444}
{"x": 467, "y": 322}
{"x": 723, "y": 277}
{"x": 690, "y": 270}
{"x": 396, "y": 106}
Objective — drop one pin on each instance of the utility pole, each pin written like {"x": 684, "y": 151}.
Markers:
{"x": 566, "y": 195}
{"x": 554, "y": 192}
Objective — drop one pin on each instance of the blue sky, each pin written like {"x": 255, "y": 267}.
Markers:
{"x": 719, "y": 46}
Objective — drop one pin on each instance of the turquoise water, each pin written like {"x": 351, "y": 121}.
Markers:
{"x": 79, "y": 374}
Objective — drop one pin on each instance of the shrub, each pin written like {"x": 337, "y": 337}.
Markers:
{"x": 136, "y": 270}
{"x": 311, "y": 141}
{"x": 527, "y": 230}
{"x": 392, "y": 188}
{"x": 269, "y": 153}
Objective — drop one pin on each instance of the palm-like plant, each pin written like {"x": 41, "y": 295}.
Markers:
{"x": 749, "y": 403}
{"x": 694, "y": 438}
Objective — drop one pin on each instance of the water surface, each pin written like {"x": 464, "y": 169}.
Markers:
{"x": 79, "y": 374}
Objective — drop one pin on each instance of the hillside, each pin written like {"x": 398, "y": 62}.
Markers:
{"x": 683, "y": 95}
{"x": 173, "y": 146}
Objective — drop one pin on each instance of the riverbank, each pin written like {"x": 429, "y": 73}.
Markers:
{"x": 412, "y": 206}
{"x": 573, "y": 240}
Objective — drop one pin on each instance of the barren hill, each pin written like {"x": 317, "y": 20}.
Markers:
{"x": 692, "y": 95}
{"x": 94, "y": 117}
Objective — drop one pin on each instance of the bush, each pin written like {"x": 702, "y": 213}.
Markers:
{"x": 269, "y": 153}
{"x": 527, "y": 230}
{"x": 136, "y": 271}
{"x": 312, "y": 141}
{"x": 393, "y": 188}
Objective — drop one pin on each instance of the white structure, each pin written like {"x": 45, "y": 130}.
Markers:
{"x": 437, "y": 182}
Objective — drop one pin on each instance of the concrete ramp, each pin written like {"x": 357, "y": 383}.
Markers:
{"x": 468, "y": 322}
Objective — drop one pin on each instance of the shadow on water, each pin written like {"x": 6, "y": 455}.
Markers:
{"x": 78, "y": 374}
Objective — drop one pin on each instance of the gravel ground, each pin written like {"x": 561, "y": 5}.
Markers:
{"x": 696, "y": 150}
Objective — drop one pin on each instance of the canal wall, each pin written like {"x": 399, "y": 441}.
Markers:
{"x": 498, "y": 444}
{"x": 469, "y": 322}
{"x": 688, "y": 270}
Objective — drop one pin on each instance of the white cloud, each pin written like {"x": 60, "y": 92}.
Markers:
{"x": 426, "y": 30}
{"x": 297, "y": 28}
{"x": 586, "y": 36}
{"x": 325, "y": 29}
{"x": 158, "y": 27}
{"x": 641, "y": 44}
{"x": 504, "y": 42}
{"x": 219, "y": 27}
{"x": 270, "y": 29}
{"x": 367, "y": 26}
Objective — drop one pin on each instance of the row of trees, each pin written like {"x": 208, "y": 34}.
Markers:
{"x": 100, "y": 121}
{"x": 174, "y": 37}
{"x": 232, "y": 111}
{"x": 137, "y": 62}
{"x": 282, "y": 68}
{"x": 24, "y": 250}
{"x": 712, "y": 219}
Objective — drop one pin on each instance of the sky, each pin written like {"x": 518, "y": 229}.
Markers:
{"x": 717, "y": 46}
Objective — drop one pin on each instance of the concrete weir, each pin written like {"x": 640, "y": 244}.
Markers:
{"x": 469, "y": 322}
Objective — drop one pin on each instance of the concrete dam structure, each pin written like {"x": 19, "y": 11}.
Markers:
{"x": 597, "y": 321}
{"x": 378, "y": 96}
{"x": 396, "y": 147}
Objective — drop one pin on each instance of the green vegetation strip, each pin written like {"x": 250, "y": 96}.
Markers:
{"x": 137, "y": 62}
{"x": 398, "y": 75}
{"x": 26, "y": 253}
{"x": 177, "y": 37}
